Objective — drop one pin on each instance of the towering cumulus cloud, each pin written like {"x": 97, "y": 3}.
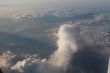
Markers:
{"x": 58, "y": 61}
{"x": 66, "y": 46}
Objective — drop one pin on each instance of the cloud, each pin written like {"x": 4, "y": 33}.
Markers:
{"x": 88, "y": 60}
{"x": 5, "y": 59}
{"x": 66, "y": 46}
{"x": 24, "y": 65}
{"x": 66, "y": 57}
{"x": 58, "y": 61}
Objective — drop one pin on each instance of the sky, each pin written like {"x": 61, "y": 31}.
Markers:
{"x": 57, "y": 3}
{"x": 48, "y": 1}
{"x": 23, "y": 1}
{"x": 16, "y": 1}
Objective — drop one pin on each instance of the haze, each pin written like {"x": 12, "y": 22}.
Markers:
{"x": 53, "y": 1}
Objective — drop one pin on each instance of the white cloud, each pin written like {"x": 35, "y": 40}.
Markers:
{"x": 5, "y": 59}
{"x": 58, "y": 61}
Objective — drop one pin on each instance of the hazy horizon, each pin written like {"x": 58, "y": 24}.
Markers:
{"x": 54, "y": 2}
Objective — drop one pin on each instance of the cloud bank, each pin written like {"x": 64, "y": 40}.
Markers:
{"x": 57, "y": 62}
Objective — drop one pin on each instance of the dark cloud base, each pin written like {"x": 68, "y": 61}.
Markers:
{"x": 88, "y": 61}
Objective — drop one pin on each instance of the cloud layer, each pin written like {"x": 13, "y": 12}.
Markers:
{"x": 58, "y": 61}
